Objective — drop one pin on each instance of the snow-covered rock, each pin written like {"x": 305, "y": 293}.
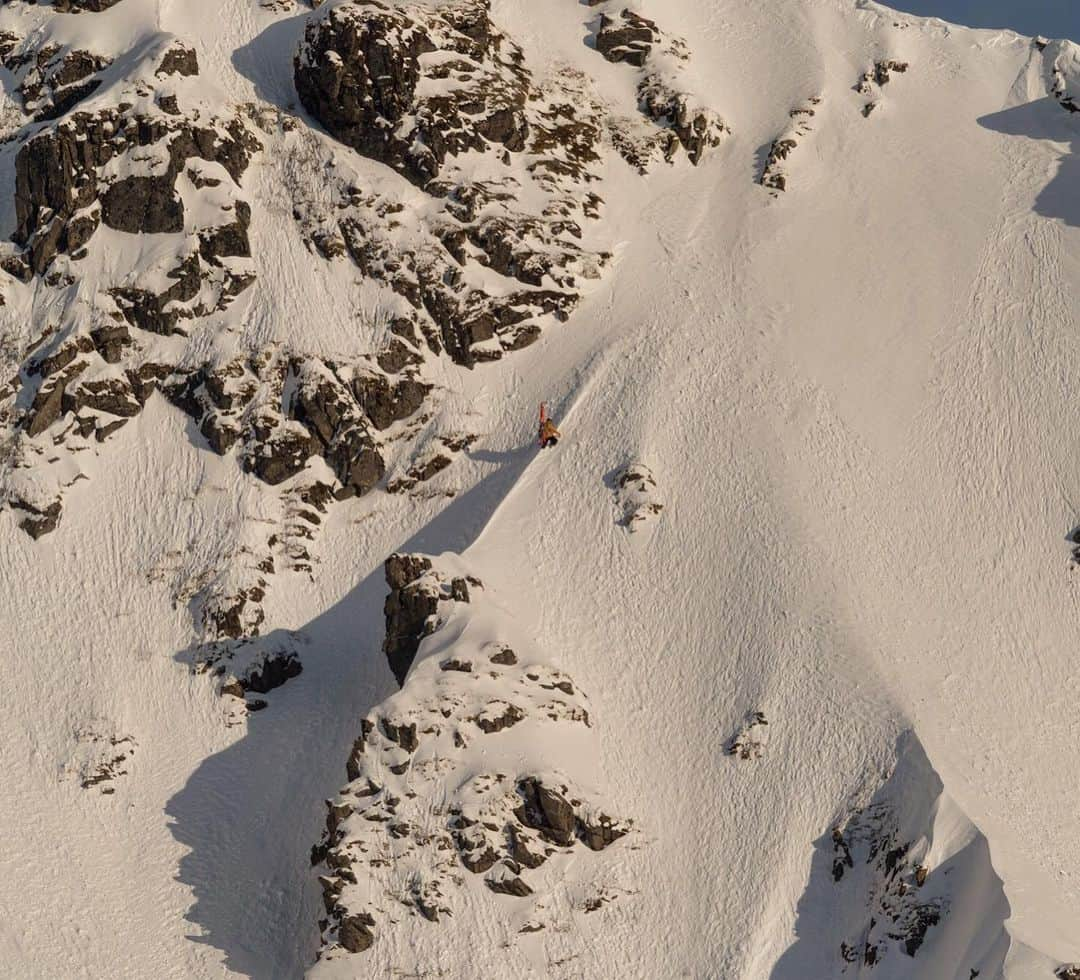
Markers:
{"x": 449, "y": 816}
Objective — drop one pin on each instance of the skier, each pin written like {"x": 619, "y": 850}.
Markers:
{"x": 548, "y": 435}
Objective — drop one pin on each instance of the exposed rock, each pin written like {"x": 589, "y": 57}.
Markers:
{"x": 179, "y": 60}
{"x": 360, "y": 72}
{"x": 774, "y": 174}
{"x": 365, "y": 71}
{"x": 39, "y": 519}
{"x": 51, "y": 79}
{"x": 355, "y": 932}
{"x": 877, "y": 76}
{"x": 412, "y": 608}
{"x": 627, "y": 37}
{"x": 636, "y": 496}
{"x": 66, "y": 170}
{"x": 545, "y": 810}
{"x": 416, "y": 813}
{"x": 272, "y": 670}
{"x": 504, "y": 656}
{"x": 751, "y": 739}
{"x": 505, "y": 882}
{"x": 100, "y": 756}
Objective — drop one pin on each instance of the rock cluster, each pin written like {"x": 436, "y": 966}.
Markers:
{"x": 362, "y": 72}
{"x": 282, "y": 410}
{"x": 636, "y": 496}
{"x": 750, "y": 741}
{"x": 437, "y": 793}
{"x": 678, "y": 119}
{"x": 100, "y": 757}
{"x": 774, "y": 174}
{"x": 875, "y": 78}
{"x": 892, "y": 877}
{"x": 68, "y": 182}
{"x": 417, "y": 87}
{"x": 50, "y": 79}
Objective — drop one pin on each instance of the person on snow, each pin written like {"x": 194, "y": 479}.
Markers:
{"x": 549, "y": 435}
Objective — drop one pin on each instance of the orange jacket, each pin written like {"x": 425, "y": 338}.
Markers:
{"x": 547, "y": 430}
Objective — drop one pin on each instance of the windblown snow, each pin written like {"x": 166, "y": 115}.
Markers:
{"x": 316, "y": 665}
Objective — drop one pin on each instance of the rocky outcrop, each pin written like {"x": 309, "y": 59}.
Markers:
{"x": 50, "y": 79}
{"x": 679, "y": 120}
{"x": 441, "y": 787}
{"x": 637, "y": 497}
{"x": 362, "y": 72}
{"x": 898, "y": 913}
{"x": 77, "y": 6}
{"x": 774, "y": 174}
{"x": 412, "y": 607}
{"x": 626, "y": 36}
{"x": 429, "y": 462}
{"x": 283, "y": 410}
{"x": 261, "y": 672}
{"x": 37, "y": 519}
{"x": 416, "y": 86}
{"x": 69, "y": 179}
{"x": 876, "y": 78}
{"x": 179, "y": 59}
{"x": 750, "y": 740}
{"x": 903, "y": 884}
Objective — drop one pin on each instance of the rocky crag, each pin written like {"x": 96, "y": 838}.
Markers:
{"x": 451, "y": 811}
{"x": 502, "y": 240}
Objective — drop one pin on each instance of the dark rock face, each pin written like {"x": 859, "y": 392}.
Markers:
{"x": 355, "y": 932}
{"x": 273, "y": 671}
{"x": 39, "y": 520}
{"x": 76, "y": 6}
{"x": 412, "y": 607}
{"x": 179, "y": 60}
{"x": 360, "y": 70}
{"x": 51, "y": 80}
{"x": 143, "y": 204}
{"x": 58, "y": 174}
{"x": 547, "y": 811}
{"x": 627, "y": 37}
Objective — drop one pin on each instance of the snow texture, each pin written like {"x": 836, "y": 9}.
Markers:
{"x": 803, "y": 540}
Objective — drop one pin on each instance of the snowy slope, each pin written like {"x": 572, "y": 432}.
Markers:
{"x": 854, "y": 397}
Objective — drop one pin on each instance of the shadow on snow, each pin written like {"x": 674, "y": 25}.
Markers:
{"x": 250, "y": 814}
{"x": 1047, "y": 120}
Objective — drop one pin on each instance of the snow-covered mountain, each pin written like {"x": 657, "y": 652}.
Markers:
{"x": 316, "y": 665}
